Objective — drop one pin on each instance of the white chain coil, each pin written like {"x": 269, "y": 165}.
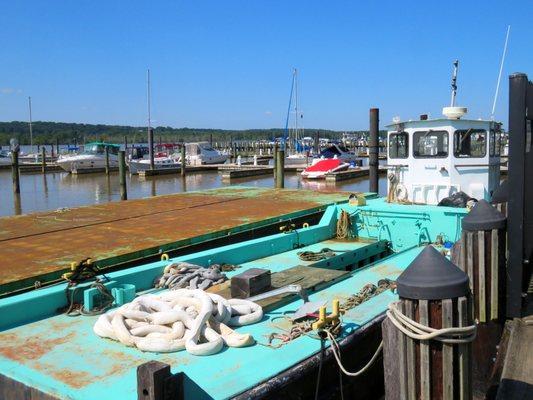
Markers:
{"x": 180, "y": 319}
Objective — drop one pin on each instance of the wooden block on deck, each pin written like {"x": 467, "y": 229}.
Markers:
{"x": 309, "y": 278}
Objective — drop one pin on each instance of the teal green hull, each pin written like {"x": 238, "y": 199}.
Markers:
{"x": 61, "y": 355}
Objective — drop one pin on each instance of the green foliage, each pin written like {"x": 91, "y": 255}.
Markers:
{"x": 49, "y": 132}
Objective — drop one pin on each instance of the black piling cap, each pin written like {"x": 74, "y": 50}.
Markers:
{"x": 483, "y": 217}
{"x": 431, "y": 276}
{"x": 501, "y": 194}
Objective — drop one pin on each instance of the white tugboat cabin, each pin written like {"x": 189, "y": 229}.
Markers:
{"x": 430, "y": 160}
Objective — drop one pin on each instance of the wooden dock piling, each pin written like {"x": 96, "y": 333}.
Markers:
{"x": 43, "y": 160}
{"x": 122, "y": 174}
{"x": 280, "y": 169}
{"x": 373, "y": 144}
{"x": 183, "y": 160}
{"x": 15, "y": 171}
{"x": 435, "y": 294}
{"x": 107, "y": 160}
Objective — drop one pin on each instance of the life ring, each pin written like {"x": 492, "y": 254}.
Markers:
{"x": 400, "y": 192}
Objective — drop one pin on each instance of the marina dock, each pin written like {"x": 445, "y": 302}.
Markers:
{"x": 39, "y": 248}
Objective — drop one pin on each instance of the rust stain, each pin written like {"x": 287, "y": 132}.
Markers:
{"x": 37, "y": 244}
{"x": 33, "y": 348}
{"x": 74, "y": 379}
{"x": 386, "y": 271}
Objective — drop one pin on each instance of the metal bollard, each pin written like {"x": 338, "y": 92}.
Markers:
{"x": 435, "y": 293}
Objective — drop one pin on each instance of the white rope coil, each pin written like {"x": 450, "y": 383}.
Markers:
{"x": 180, "y": 319}
{"x": 418, "y": 331}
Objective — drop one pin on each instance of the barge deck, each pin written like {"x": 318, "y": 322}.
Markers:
{"x": 38, "y": 248}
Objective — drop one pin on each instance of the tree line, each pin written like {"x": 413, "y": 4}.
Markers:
{"x": 75, "y": 133}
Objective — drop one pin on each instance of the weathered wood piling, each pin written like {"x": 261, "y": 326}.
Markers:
{"x": 427, "y": 335}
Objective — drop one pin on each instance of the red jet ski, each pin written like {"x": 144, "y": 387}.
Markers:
{"x": 322, "y": 167}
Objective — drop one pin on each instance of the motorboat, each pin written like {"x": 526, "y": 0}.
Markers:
{"x": 199, "y": 153}
{"x": 92, "y": 157}
{"x": 340, "y": 152}
{"x": 325, "y": 166}
{"x": 5, "y": 158}
{"x": 166, "y": 155}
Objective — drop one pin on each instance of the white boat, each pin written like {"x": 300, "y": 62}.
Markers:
{"x": 92, "y": 157}
{"x": 166, "y": 155}
{"x": 340, "y": 152}
{"x": 322, "y": 167}
{"x": 143, "y": 164}
{"x": 199, "y": 153}
{"x": 5, "y": 157}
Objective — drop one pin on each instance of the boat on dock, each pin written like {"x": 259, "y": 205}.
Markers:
{"x": 201, "y": 153}
{"x": 93, "y": 157}
{"x": 242, "y": 293}
{"x": 321, "y": 168}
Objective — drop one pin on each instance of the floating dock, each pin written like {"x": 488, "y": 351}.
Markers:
{"x": 38, "y": 248}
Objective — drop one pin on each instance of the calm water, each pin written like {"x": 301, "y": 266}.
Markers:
{"x": 56, "y": 190}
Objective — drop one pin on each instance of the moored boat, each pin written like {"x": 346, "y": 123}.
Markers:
{"x": 92, "y": 157}
{"x": 322, "y": 167}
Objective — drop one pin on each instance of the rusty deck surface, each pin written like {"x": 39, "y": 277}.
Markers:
{"x": 38, "y": 244}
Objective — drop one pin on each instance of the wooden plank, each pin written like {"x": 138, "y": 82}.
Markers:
{"x": 494, "y": 275}
{"x": 425, "y": 387}
{"x": 517, "y": 374}
{"x": 411, "y": 360}
{"x": 309, "y": 278}
{"x": 402, "y": 358}
{"x": 470, "y": 258}
{"x": 447, "y": 351}
{"x": 391, "y": 354}
{"x": 482, "y": 284}
{"x": 465, "y": 390}
{"x": 462, "y": 258}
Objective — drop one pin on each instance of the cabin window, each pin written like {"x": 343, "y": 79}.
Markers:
{"x": 470, "y": 143}
{"x": 430, "y": 144}
{"x": 398, "y": 145}
{"x": 495, "y": 143}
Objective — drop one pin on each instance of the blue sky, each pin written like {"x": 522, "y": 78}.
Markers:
{"x": 227, "y": 64}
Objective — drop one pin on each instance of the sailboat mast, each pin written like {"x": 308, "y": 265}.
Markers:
{"x": 31, "y": 131}
{"x": 454, "y": 82}
{"x": 295, "y": 108}
{"x": 148, "y": 97}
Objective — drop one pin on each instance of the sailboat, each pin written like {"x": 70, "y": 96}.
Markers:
{"x": 296, "y": 155}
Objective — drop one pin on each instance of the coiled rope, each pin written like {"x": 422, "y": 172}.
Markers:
{"x": 344, "y": 226}
{"x": 316, "y": 255}
{"x": 180, "y": 319}
{"x": 417, "y": 331}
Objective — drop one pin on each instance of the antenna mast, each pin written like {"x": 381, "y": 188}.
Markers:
{"x": 500, "y": 73}
{"x": 31, "y": 131}
{"x": 454, "y": 82}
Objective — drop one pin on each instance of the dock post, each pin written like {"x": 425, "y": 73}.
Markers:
{"x": 373, "y": 162}
{"x": 275, "y": 162}
{"x": 107, "y": 160}
{"x": 435, "y": 293}
{"x": 125, "y": 143}
{"x": 151, "y": 147}
{"x": 52, "y": 152}
{"x": 280, "y": 169}
{"x": 15, "y": 170}
{"x": 57, "y": 146}
{"x": 482, "y": 257}
{"x": 122, "y": 174}
{"x": 317, "y": 143}
{"x": 183, "y": 159}
{"x": 43, "y": 160}
{"x": 155, "y": 381}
